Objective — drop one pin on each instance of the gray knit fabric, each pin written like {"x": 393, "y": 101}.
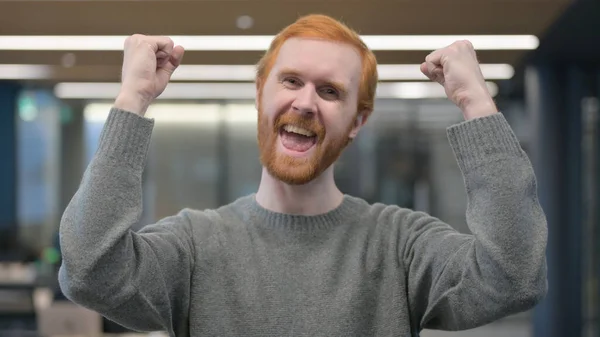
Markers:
{"x": 358, "y": 270}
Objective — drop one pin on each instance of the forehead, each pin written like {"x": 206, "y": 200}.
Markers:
{"x": 320, "y": 60}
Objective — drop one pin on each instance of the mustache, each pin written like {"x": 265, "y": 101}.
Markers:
{"x": 306, "y": 122}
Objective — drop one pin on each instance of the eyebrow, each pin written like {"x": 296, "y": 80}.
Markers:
{"x": 340, "y": 87}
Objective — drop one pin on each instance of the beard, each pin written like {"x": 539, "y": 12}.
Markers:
{"x": 291, "y": 170}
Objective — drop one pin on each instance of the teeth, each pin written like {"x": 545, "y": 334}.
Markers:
{"x": 298, "y": 130}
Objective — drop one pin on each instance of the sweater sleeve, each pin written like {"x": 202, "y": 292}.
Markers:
{"x": 458, "y": 281}
{"x": 140, "y": 280}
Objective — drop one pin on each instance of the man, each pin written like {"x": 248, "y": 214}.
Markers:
{"x": 299, "y": 257}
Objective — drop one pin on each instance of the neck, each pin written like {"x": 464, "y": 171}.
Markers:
{"x": 319, "y": 196}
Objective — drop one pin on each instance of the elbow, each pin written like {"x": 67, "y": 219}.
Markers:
{"x": 525, "y": 282}
{"x": 80, "y": 291}
{"x": 76, "y": 288}
{"x": 73, "y": 288}
{"x": 535, "y": 287}
{"x": 520, "y": 289}
{"x": 529, "y": 292}
{"x": 527, "y": 299}
{"x": 98, "y": 290}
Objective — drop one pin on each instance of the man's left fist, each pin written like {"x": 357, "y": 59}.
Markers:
{"x": 456, "y": 68}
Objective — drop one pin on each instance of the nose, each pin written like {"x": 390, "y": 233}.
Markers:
{"x": 305, "y": 101}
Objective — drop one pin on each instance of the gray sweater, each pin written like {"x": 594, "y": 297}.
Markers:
{"x": 359, "y": 270}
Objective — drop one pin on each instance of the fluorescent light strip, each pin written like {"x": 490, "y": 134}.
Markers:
{"x": 214, "y": 73}
{"x": 398, "y": 90}
{"x": 432, "y": 42}
{"x": 78, "y": 90}
{"x": 387, "y": 72}
{"x": 188, "y": 114}
{"x": 262, "y": 42}
{"x": 179, "y": 113}
{"x": 397, "y": 72}
{"x": 25, "y": 72}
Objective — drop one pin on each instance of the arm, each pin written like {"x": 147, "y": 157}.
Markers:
{"x": 458, "y": 281}
{"x": 140, "y": 280}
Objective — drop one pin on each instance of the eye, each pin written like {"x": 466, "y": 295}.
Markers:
{"x": 291, "y": 82}
{"x": 330, "y": 93}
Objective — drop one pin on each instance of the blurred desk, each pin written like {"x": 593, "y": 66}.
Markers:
{"x": 17, "y": 306}
{"x": 29, "y": 309}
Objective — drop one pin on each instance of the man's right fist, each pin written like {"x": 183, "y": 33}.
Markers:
{"x": 148, "y": 63}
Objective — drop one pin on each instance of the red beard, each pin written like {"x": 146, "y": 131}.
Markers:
{"x": 291, "y": 170}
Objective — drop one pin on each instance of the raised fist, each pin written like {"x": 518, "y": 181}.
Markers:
{"x": 457, "y": 69}
{"x": 148, "y": 63}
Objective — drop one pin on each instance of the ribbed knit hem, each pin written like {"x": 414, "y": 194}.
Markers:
{"x": 125, "y": 138}
{"x": 483, "y": 140}
{"x": 350, "y": 210}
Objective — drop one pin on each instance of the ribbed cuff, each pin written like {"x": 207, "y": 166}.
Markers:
{"x": 125, "y": 138}
{"x": 483, "y": 140}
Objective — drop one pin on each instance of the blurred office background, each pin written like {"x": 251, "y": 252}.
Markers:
{"x": 59, "y": 71}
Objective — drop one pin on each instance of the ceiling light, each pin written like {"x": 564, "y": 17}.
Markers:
{"x": 401, "y": 90}
{"x": 214, "y": 73}
{"x": 188, "y": 114}
{"x": 387, "y": 72}
{"x": 74, "y": 90}
{"x": 25, "y": 72}
{"x": 68, "y": 60}
{"x": 432, "y": 42}
{"x": 262, "y": 42}
{"x": 174, "y": 113}
{"x": 404, "y": 72}
{"x": 244, "y": 22}
{"x": 246, "y": 73}
{"x": 419, "y": 90}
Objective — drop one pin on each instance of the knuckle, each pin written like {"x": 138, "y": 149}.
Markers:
{"x": 169, "y": 42}
{"x": 462, "y": 44}
{"x": 137, "y": 37}
{"x": 133, "y": 39}
{"x": 429, "y": 56}
{"x": 129, "y": 40}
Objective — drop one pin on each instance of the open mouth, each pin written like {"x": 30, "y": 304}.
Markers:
{"x": 297, "y": 139}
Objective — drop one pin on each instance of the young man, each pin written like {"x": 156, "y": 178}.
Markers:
{"x": 298, "y": 257}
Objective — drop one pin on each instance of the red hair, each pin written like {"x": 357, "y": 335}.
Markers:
{"x": 324, "y": 27}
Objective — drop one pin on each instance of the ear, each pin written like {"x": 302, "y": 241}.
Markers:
{"x": 359, "y": 121}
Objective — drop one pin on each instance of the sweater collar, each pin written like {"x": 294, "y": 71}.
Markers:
{"x": 349, "y": 210}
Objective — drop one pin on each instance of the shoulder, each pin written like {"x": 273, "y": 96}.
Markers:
{"x": 204, "y": 229}
{"x": 234, "y": 212}
{"x": 378, "y": 210}
{"x": 390, "y": 217}
{"x": 208, "y": 222}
